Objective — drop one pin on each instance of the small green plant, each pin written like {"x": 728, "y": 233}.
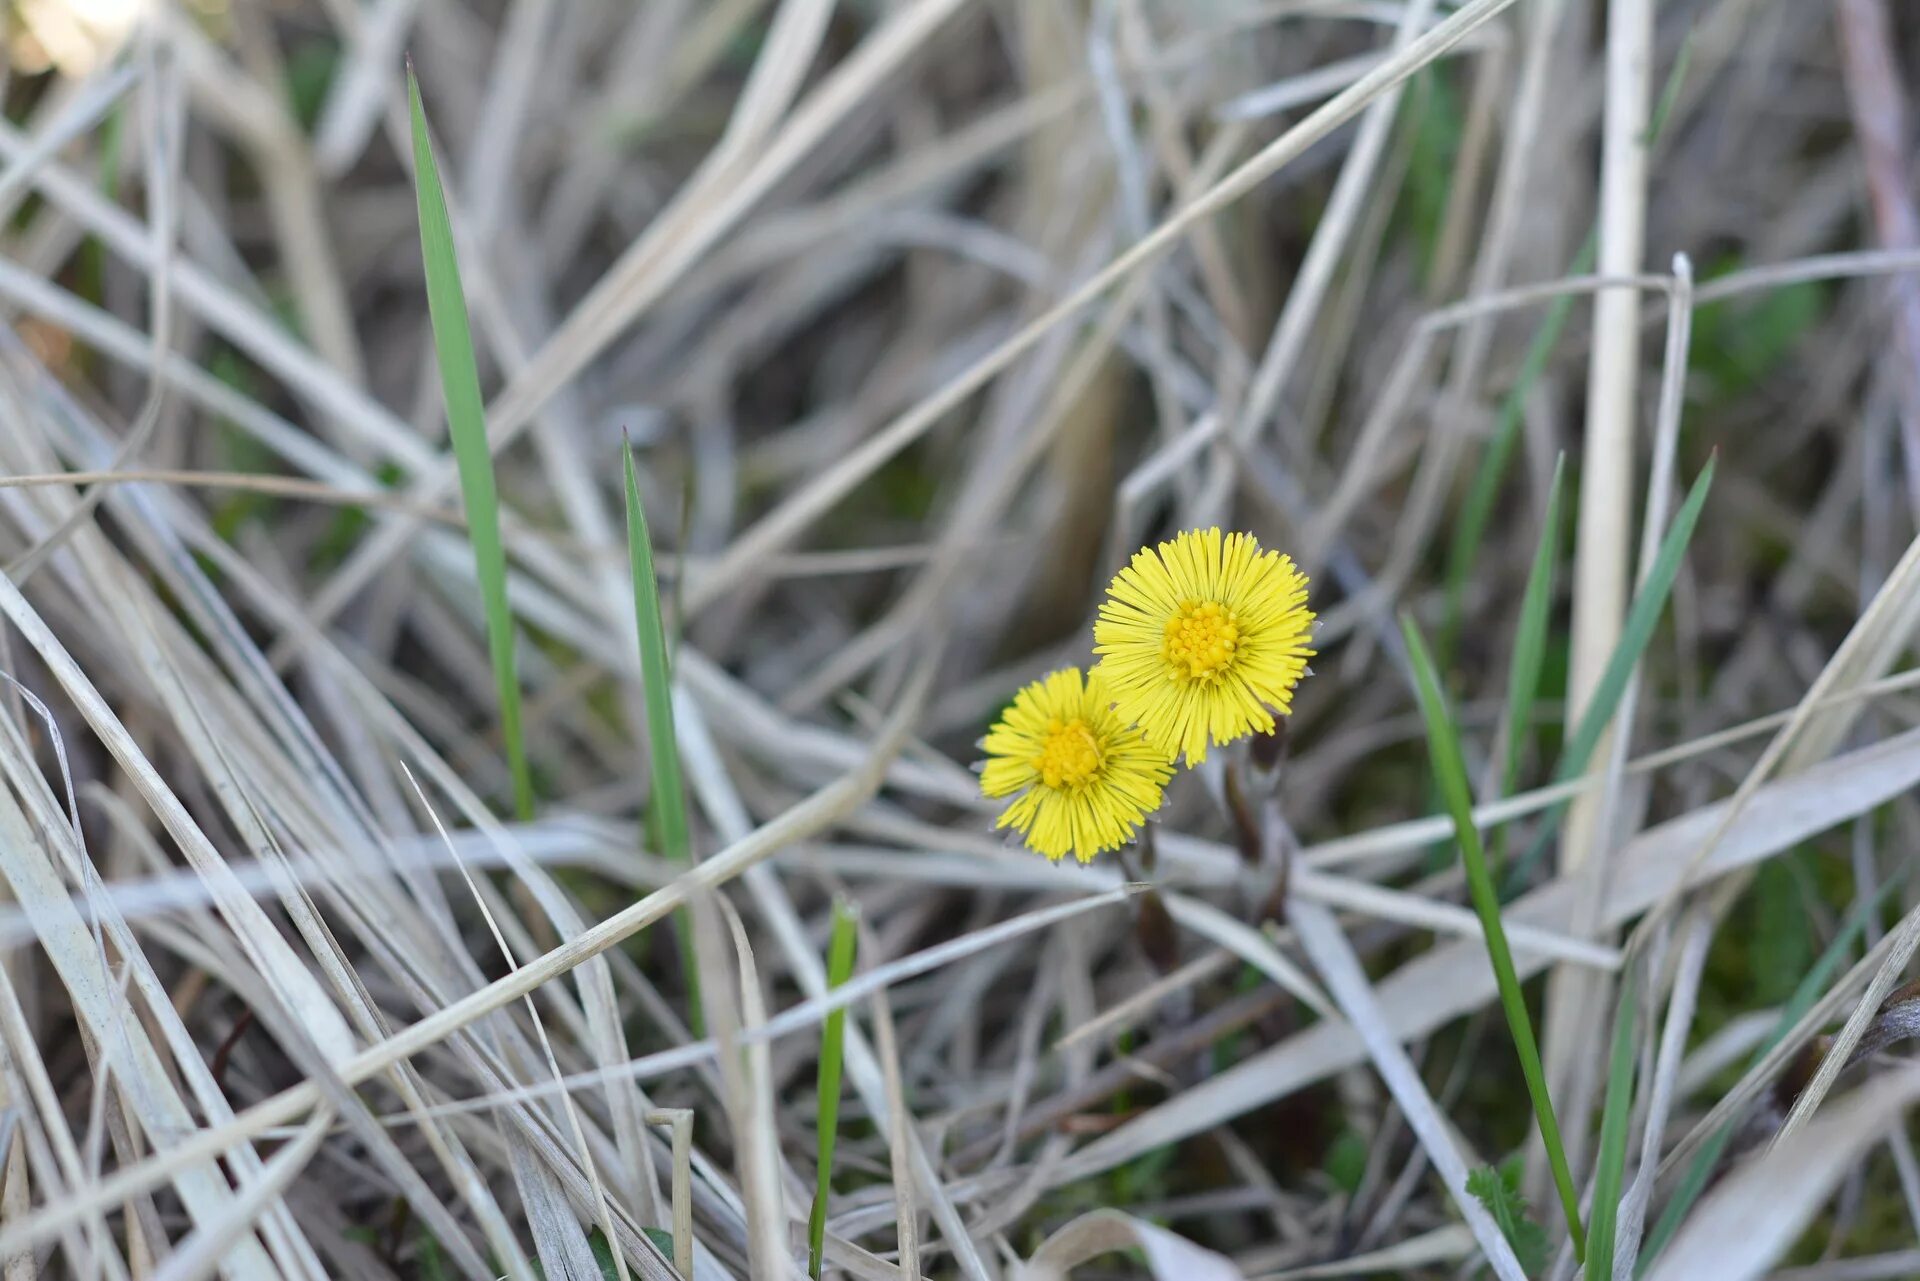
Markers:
{"x": 1346, "y": 1162}
{"x": 1432, "y": 111}
{"x": 1738, "y": 343}
{"x": 1499, "y": 1191}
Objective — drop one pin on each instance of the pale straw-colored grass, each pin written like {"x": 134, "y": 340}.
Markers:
{"x": 917, "y": 318}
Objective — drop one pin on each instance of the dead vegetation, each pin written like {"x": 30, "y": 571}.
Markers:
{"x": 918, "y": 317}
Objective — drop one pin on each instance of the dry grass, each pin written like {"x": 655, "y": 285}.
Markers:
{"x": 919, "y": 317}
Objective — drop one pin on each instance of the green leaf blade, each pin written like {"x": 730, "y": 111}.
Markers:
{"x": 1530, "y": 638}
{"x": 467, "y": 428}
{"x": 840, "y": 953}
{"x": 1642, "y": 617}
{"x": 1610, "y": 1166}
{"x": 1529, "y": 653}
{"x": 656, "y": 677}
{"x": 1470, "y": 530}
{"x": 1450, "y": 773}
{"x": 667, "y": 809}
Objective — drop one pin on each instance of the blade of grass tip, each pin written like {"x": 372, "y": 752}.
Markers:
{"x": 1694, "y": 1181}
{"x": 840, "y": 949}
{"x": 467, "y": 426}
{"x": 1529, "y": 653}
{"x": 1611, "y": 1165}
{"x": 1463, "y": 550}
{"x": 667, "y": 810}
{"x": 1670, "y": 92}
{"x": 1450, "y": 773}
{"x": 656, "y": 677}
{"x": 1642, "y": 617}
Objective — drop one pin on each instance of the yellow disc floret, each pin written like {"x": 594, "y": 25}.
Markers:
{"x": 1082, "y": 779}
{"x": 1070, "y": 757}
{"x": 1201, "y": 639}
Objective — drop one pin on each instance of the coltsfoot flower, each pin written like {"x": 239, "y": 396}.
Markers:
{"x": 1085, "y": 780}
{"x": 1202, "y": 639}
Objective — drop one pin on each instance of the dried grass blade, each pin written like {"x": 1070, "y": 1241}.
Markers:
{"x": 1168, "y": 1257}
{"x": 1333, "y": 956}
{"x": 1752, "y": 1218}
{"x": 1694, "y": 1181}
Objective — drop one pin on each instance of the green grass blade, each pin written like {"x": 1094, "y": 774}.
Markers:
{"x": 1611, "y": 1164}
{"x": 1694, "y": 1181}
{"x": 656, "y": 678}
{"x": 840, "y": 951}
{"x": 667, "y": 811}
{"x": 467, "y": 426}
{"x": 1530, "y": 651}
{"x": 1642, "y": 617}
{"x": 1463, "y": 549}
{"x": 1670, "y": 91}
{"x": 1470, "y": 530}
{"x": 1450, "y": 773}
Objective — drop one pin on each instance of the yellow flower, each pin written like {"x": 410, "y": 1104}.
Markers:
{"x": 1086, "y": 780}
{"x": 1199, "y": 638}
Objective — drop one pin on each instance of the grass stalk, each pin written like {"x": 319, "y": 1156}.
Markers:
{"x": 1611, "y": 1164}
{"x": 669, "y": 804}
{"x": 1450, "y": 773}
{"x": 667, "y": 808}
{"x": 1642, "y": 617}
{"x": 840, "y": 951}
{"x": 1529, "y": 653}
{"x": 467, "y": 427}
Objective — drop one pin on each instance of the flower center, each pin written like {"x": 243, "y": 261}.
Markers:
{"x": 1201, "y": 640}
{"x": 1070, "y": 758}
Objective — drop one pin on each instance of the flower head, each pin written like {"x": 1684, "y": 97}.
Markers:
{"x": 1201, "y": 637}
{"x": 1086, "y": 780}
